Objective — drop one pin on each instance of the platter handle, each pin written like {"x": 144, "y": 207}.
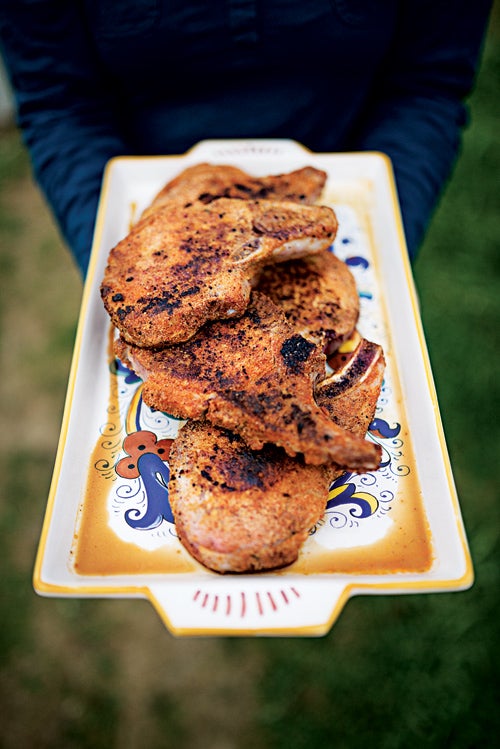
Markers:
{"x": 249, "y": 606}
{"x": 262, "y": 147}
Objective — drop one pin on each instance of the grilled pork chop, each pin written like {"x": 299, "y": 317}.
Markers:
{"x": 255, "y": 376}
{"x": 240, "y": 510}
{"x": 180, "y": 267}
{"x": 351, "y": 392}
{"x": 203, "y": 183}
{"x": 318, "y": 295}
{"x": 237, "y": 510}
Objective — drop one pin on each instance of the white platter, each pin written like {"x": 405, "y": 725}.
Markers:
{"x": 396, "y": 531}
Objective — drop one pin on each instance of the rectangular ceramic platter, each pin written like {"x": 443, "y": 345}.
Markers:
{"x": 398, "y": 530}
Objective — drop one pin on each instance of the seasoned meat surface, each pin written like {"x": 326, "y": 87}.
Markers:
{"x": 203, "y": 183}
{"x": 180, "y": 267}
{"x": 267, "y": 431}
{"x": 255, "y": 376}
{"x": 351, "y": 392}
{"x": 318, "y": 295}
{"x": 239, "y": 510}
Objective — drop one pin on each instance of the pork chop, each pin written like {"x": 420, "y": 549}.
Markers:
{"x": 180, "y": 267}
{"x": 203, "y": 183}
{"x": 241, "y": 510}
{"x": 238, "y": 510}
{"x": 318, "y": 295}
{"x": 255, "y": 376}
{"x": 351, "y": 391}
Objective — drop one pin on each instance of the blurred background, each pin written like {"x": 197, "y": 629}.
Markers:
{"x": 394, "y": 672}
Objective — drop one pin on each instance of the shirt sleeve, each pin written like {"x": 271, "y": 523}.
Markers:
{"x": 64, "y": 110}
{"x": 416, "y": 112}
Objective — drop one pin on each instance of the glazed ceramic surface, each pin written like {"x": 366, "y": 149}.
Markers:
{"x": 109, "y": 530}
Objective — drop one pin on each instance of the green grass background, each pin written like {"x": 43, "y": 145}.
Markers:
{"x": 394, "y": 672}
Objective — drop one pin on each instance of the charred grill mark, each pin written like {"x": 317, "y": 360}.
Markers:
{"x": 295, "y": 351}
{"x": 258, "y": 404}
{"x": 122, "y": 312}
{"x": 245, "y": 189}
{"x": 253, "y": 190}
{"x": 356, "y": 368}
{"x": 189, "y": 292}
{"x": 301, "y": 418}
{"x": 223, "y": 381}
{"x": 206, "y": 197}
{"x": 188, "y": 369}
{"x": 243, "y": 469}
{"x": 253, "y": 315}
{"x": 242, "y": 188}
{"x": 165, "y": 302}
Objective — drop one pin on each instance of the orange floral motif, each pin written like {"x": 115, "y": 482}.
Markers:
{"x": 137, "y": 444}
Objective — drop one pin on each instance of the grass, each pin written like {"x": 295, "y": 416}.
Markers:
{"x": 394, "y": 672}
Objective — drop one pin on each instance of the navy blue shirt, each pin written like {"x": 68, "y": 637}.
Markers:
{"x": 95, "y": 79}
